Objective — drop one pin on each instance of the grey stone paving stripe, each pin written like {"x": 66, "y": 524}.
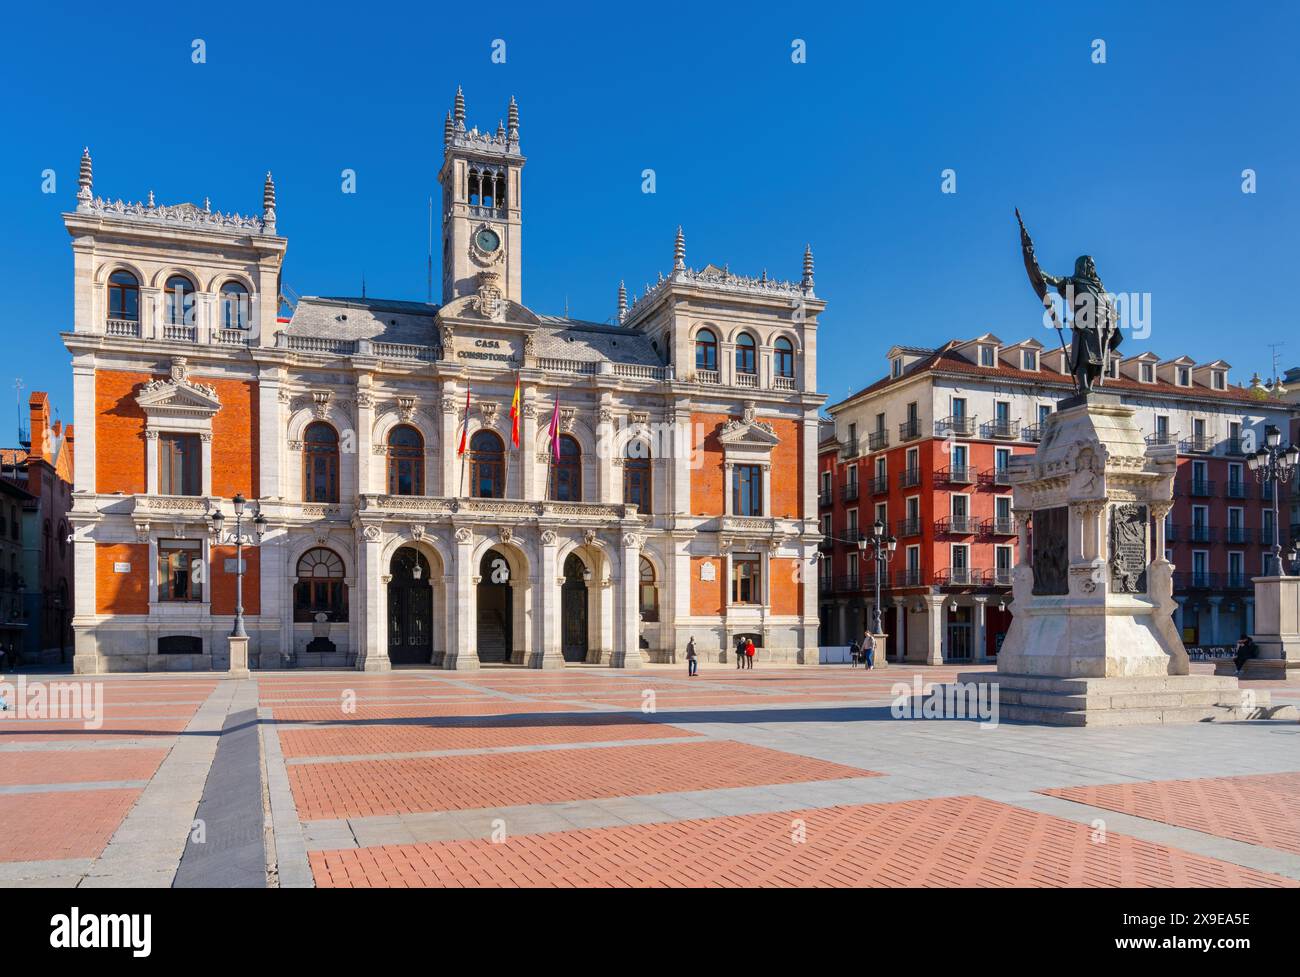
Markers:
{"x": 151, "y": 743}
{"x": 55, "y": 871}
{"x": 86, "y": 785}
{"x": 147, "y": 846}
{"x": 289, "y": 849}
{"x": 230, "y": 850}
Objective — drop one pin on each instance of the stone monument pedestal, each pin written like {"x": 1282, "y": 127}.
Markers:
{"x": 878, "y": 656}
{"x": 1277, "y": 631}
{"x": 238, "y": 657}
{"x": 1093, "y": 641}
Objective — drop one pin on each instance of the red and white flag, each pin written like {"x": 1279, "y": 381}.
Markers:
{"x": 464, "y": 428}
{"x": 555, "y": 430}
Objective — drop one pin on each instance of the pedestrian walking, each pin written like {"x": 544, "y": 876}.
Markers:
{"x": 749, "y": 653}
{"x": 854, "y": 653}
{"x": 692, "y": 663}
{"x": 740, "y": 652}
{"x": 869, "y": 650}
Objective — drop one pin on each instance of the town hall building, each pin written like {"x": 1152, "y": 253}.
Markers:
{"x": 663, "y": 489}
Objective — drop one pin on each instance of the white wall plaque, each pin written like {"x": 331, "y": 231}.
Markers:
{"x": 708, "y": 571}
{"x": 121, "y": 568}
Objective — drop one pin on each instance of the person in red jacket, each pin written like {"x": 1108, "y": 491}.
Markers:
{"x": 749, "y": 652}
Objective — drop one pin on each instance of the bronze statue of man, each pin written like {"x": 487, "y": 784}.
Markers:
{"x": 1094, "y": 324}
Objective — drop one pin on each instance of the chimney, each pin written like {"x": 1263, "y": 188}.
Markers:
{"x": 67, "y": 445}
{"x": 39, "y": 411}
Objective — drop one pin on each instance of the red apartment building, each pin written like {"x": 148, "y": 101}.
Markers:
{"x": 925, "y": 451}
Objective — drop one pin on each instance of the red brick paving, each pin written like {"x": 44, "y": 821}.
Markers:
{"x": 373, "y": 787}
{"x": 78, "y": 766}
{"x": 951, "y": 841}
{"x": 513, "y": 731}
{"x": 425, "y": 710}
{"x": 1260, "y": 809}
{"x": 60, "y": 824}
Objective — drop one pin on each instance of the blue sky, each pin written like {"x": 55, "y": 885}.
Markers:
{"x": 1137, "y": 161}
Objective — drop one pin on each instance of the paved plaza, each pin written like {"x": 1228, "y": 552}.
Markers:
{"x": 595, "y": 777}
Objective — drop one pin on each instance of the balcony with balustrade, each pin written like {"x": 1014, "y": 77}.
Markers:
{"x": 878, "y": 440}
{"x": 955, "y": 526}
{"x": 955, "y": 426}
{"x": 959, "y": 577}
{"x": 880, "y": 485}
{"x": 849, "y": 492}
{"x": 1003, "y": 526}
{"x": 908, "y": 577}
{"x": 1032, "y": 433}
{"x": 1239, "y": 535}
{"x": 909, "y": 430}
{"x": 909, "y": 527}
{"x": 1001, "y": 429}
{"x": 1201, "y": 488}
{"x": 909, "y": 478}
{"x": 955, "y": 475}
{"x": 1202, "y": 445}
{"x": 995, "y": 478}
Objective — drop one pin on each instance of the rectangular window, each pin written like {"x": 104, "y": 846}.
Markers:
{"x": 1044, "y": 410}
{"x": 747, "y": 490}
{"x": 896, "y": 367}
{"x": 986, "y": 356}
{"x": 745, "y": 579}
{"x": 1162, "y": 428}
{"x": 1184, "y": 377}
{"x": 882, "y": 515}
{"x": 1001, "y": 459}
{"x": 179, "y": 464}
{"x": 1148, "y": 373}
{"x": 180, "y": 570}
{"x": 1002, "y": 508}
{"x": 958, "y": 407}
{"x": 853, "y": 522}
{"x": 1028, "y": 359}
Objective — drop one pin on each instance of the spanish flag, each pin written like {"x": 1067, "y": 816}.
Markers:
{"x": 464, "y": 429}
{"x": 514, "y": 414}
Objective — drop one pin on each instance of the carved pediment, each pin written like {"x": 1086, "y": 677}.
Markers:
{"x": 753, "y": 434}
{"x": 178, "y": 397}
{"x": 471, "y": 307}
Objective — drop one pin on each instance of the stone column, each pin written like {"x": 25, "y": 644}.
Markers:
{"x": 936, "y": 638}
{"x": 205, "y": 451}
{"x": 900, "y": 632}
{"x": 549, "y": 654}
{"x": 462, "y": 648}
{"x": 85, "y": 646}
{"x": 453, "y": 401}
{"x": 270, "y": 436}
{"x": 151, "y": 464}
{"x": 627, "y": 647}
{"x": 607, "y": 492}
{"x": 364, "y": 436}
{"x": 1214, "y": 620}
{"x": 372, "y": 656}
{"x": 978, "y": 652}
{"x": 528, "y": 469}
{"x": 728, "y": 477}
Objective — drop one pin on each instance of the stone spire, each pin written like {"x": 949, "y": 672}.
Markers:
{"x": 501, "y": 129}
{"x": 448, "y": 129}
{"x": 512, "y": 118}
{"x": 86, "y": 181}
{"x": 807, "y": 268}
{"x": 622, "y": 301}
{"x": 460, "y": 110}
{"x": 679, "y": 250}
{"x": 268, "y": 203}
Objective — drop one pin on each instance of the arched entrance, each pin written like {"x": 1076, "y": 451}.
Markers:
{"x": 410, "y": 609}
{"x": 573, "y": 608}
{"x": 495, "y": 609}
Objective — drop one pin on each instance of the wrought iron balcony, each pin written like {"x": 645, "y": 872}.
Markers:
{"x": 1235, "y": 446}
{"x": 1240, "y": 534}
{"x": 1034, "y": 432}
{"x": 1005, "y": 526}
{"x": 1195, "y": 580}
{"x": 1201, "y": 487}
{"x": 880, "y": 485}
{"x": 909, "y": 577}
{"x": 878, "y": 439}
{"x": 1196, "y": 446}
{"x": 1237, "y": 581}
{"x": 1238, "y": 489}
{"x": 851, "y": 447}
{"x": 825, "y": 585}
{"x": 1000, "y": 577}
{"x": 826, "y": 544}
{"x": 956, "y": 425}
{"x": 1161, "y": 437}
{"x": 1001, "y": 428}
{"x": 909, "y": 430}
{"x": 959, "y": 577}
{"x": 849, "y": 492}
{"x": 1200, "y": 533}
{"x": 909, "y": 527}
{"x": 909, "y": 478}
{"x": 955, "y": 526}
{"x": 995, "y": 477}
{"x": 956, "y": 475}
{"x": 825, "y": 498}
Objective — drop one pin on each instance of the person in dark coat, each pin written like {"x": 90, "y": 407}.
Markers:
{"x": 1246, "y": 650}
{"x": 692, "y": 662}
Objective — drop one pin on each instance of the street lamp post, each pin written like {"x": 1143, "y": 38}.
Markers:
{"x": 239, "y": 637}
{"x": 882, "y": 551}
{"x": 1273, "y": 464}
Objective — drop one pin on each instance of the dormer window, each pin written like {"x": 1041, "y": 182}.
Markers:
{"x": 1112, "y": 370}
{"x": 1028, "y": 359}
{"x": 1184, "y": 375}
{"x": 1148, "y": 373}
{"x": 1218, "y": 381}
{"x": 988, "y": 356}
{"x": 896, "y": 367}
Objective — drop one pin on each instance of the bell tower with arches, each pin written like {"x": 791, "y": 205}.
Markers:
{"x": 481, "y": 212}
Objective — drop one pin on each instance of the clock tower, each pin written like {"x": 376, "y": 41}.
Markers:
{"x": 481, "y": 181}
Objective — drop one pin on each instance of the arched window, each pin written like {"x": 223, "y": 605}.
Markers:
{"x": 784, "y": 352}
{"x": 566, "y": 471}
{"x": 320, "y": 463}
{"x": 178, "y": 301}
{"x": 487, "y": 466}
{"x": 235, "y": 307}
{"x": 746, "y": 354}
{"x": 320, "y": 588}
{"x": 405, "y": 461}
{"x": 636, "y": 475}
{"x": 124, "y": 296}
{"x": 649, "y": 592}
{"x": 706, "y": 350}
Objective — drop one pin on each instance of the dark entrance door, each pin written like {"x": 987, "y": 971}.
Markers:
{"x": 573, "y": 605}
{"x": 495, "y": 609}
{"x": 410, "y": 609}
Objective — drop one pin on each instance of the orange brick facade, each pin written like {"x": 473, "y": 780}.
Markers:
{"x": 708, "y": 596}
{"x": 122, "y": 593}
{"x": 223, "y": 583}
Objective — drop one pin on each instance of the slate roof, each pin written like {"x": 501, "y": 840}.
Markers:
{"x": 946, "y": 359}
{"x": 413, "y": 323}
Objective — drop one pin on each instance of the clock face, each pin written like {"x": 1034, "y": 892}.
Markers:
{"x": 487, "y": 240}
